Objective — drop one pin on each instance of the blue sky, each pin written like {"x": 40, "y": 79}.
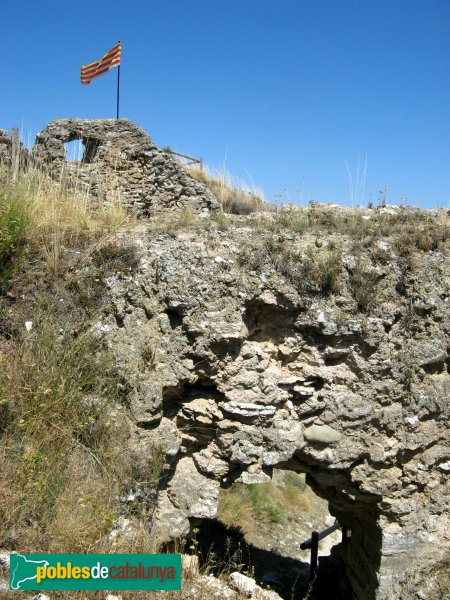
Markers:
{"x": 283, "y": 93}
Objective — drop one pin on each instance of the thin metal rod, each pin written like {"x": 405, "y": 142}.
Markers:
{"x": 323, "y": 534}
{"x": 314, "y": 555}
{"x": 118, "y": 90}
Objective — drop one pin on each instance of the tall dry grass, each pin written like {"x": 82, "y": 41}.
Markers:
{"x": 36, "y": 211}
{"x": 62, "y": 425}
{"x": 235, "y": 197}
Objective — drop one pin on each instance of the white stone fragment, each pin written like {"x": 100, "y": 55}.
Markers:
{"x": 323, "y": 434}
{"x": 241, "y": 583}
{"x": 250, "y": 478}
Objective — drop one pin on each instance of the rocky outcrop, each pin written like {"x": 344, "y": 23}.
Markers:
{"x": 120, "y": 163}
{"x": 249, "y": 373}
{"x": 235, "y": 363}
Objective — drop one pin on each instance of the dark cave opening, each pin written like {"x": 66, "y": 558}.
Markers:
{"x": 348, "y": 561}
{"x": 285, "y": 569}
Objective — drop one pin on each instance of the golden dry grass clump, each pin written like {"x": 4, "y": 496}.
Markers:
{"x": 235, "y": 197}
{"x": 62, "y": 425}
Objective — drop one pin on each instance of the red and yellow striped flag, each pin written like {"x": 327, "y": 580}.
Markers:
{"x": 97, "y": 68}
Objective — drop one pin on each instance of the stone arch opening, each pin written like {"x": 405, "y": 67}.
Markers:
{"x": 347, "y": 569}
{"x": 127, "y": 165}
{"x": 74, "y": 150}
{"x": 79, "y": 148}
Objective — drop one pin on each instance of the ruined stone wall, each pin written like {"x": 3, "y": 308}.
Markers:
{"x": 120, "y": 164}
{"x": 12, "y": 152}
{"x": 5, "y": 147}
{"x": 250, "y": 374}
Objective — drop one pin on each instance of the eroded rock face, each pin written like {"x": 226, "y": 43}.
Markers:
{"x": 120, "y": 164}
{"x": 249, "y": 374}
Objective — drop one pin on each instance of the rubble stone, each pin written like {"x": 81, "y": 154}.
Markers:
{"x": 120, "y": 164}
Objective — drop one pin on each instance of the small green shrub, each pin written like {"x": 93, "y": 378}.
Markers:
{"x": 291, "y": 218}
{"x": 14, "y": 220}
{"x": 115, "y": 257}
{"x": 322, "y": 271}
{"x": 315, "y": 271}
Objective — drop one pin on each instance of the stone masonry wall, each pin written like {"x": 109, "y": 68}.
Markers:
{"x": 121, "y": 163}
{"x": 5, "y": 147}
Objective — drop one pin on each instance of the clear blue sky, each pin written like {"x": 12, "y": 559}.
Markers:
{"x": 284, "y": 91}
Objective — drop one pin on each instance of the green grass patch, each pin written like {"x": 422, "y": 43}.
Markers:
{"x": 295, "y": 479}
{"x": 262, "y": 503}
{"x": 247, "y": 506}
{"x": 14, "y": 220}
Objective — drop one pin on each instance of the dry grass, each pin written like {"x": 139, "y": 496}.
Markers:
{"x": 62, "y": 430}
{"x": 235, "y": 508}
{"x": 54, "y": 209}
{"x": 235, "y": 197}
{"x": 62, "y": 424}
{"x": 57, "y": 394}
{"x": 247, "y": 506}
{"x": 37, "y": 212}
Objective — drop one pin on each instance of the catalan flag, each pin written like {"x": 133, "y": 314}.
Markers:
{"x": 99, "y": 67}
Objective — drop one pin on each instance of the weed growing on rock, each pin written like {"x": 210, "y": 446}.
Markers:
{"x": 363, "y": 284}
{"x": 314, "y": 270}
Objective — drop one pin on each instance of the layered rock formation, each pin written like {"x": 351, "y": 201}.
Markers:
{"x": 236, "y": 366}
{"x": 120, "y": 164}
{"x": 248, "y": 373}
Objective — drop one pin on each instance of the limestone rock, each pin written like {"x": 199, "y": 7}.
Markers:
{"x": 323, "y": 434}
{"x": 248, "y": 587}
{"x": 242, "y": 583}
{"x": 5, "y": 559}
{"x": 191, "y": 492}
{"x": 208, "y": 461}
{"x": 251, "y": 478}
{"x": 255, "y": 372}
{"x": 170, "y": 522}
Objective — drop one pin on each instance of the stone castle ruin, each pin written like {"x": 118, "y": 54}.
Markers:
{"x": 120, "y": 164}
{"x": 251, "y": 374}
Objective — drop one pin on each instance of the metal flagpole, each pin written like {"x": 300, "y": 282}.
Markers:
{"x": 118, "y": 88}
